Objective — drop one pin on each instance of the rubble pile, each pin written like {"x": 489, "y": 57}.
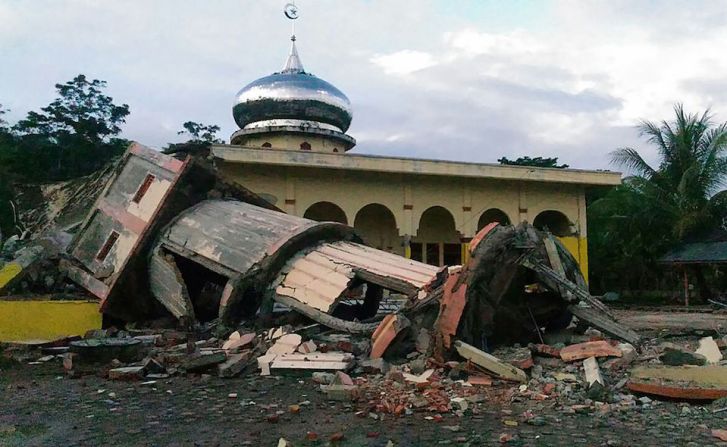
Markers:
{"x": 248, "y": 290}
{"x": 585, "y": 372}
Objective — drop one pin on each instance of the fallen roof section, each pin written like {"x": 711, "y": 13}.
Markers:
{"x": 239, "y": 245}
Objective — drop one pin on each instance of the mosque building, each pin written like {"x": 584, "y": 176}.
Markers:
{"x": 292, "y": 149}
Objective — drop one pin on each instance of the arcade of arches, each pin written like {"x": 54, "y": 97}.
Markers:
{"x": 437, "y": 240}
{"x": 425, "y": 210}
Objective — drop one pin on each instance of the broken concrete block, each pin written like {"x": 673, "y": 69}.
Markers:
{"x": 520, "y": 358}
{"x": 418, "y": 366}
{"x": 680, "y": 382}
{"x": 150, "y": 340}
{"x": 234, "y": 364}
{"x": 424, "y": 341}
{"x": 314, "y": 361}
{"x": 200, "y": 361}
{"x": 238, "y": 342}
{"x": 421, "y": 378}
{"x": 490, "y": 362}
{"x": 628, "y": 353}
{"x": 709, "y": 349}
{"x": 323, "y": 378}
{"x": 679, "y": 357}
{"x": 341, "y": 378}
{"x": 345, "y": 393}
{"x": 307, "y": 347}
{"x": 565, "y": 377}
{"x": 127, "y": 373}
{"x": 594, "y": 379}
{"x": 386, "y": 332}
{"x": 104, "y": 350}
{"x": 151, "y": 366}
{"x": 263, "y": 363}
{"x": 395, "y": 375}
{"x": 459, "y": 404}
{"x": 582, "y": 351}
{"x": 374, "y": 366}
{"x": 286, "y": 344}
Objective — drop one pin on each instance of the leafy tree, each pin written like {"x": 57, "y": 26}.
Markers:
{"x": 6, "y": 190}
{"x": 73, "y": 136}
{"x": 200, "y": 133}
{"x": 539, "y": 162}
{"x": 199, "y": 138}
{"x": 656, "y": 208}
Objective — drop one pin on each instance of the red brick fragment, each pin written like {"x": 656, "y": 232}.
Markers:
{"x": 548, "y": 388}
{"x": 589, "y": 349}
{"x": 385, "y": 333}
{"x": 480, "y": 380}
{"x": 545, "y": 350}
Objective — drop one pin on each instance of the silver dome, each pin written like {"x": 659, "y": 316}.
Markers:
{"x": 292, "y": 94}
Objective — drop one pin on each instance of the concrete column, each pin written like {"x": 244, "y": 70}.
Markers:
{"x": 468, "y": 227}
{"x": 581, "y": 223}
{"x": 408, "y": 226}
{"x": 290, "y": 205}
{"x": 522, "y": 204}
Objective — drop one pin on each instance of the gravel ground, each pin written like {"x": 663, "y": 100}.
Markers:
{"x": 40, "y": 406}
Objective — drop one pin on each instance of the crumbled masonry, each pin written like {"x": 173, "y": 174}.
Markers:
{"x": 234, "y": 288}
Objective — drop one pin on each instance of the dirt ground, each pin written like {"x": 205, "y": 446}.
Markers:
{"x": 39, "y": 406}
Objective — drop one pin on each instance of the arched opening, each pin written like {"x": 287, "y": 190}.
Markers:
{"x": 305, "y": 146}
{"x": 335, "y": 149}
{"x": 326, "y": 212}
{"x": 437, "y": 241}
{"x": 555, "y": 222}
{"x": 376, "y": 225}
{"x": 267, "y": 144}
{"x": 492, "y": 215}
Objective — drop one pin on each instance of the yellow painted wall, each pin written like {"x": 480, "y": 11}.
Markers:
{"x": 9, "y": 272}
{"x": 408, "y": 196}
{"x": 24, "y": 321}
{"x": 578, "y": 247}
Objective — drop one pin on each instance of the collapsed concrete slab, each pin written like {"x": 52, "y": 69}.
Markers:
{"x": 167, "y": 235}
{"x": 147, "y": 189}
{"x": 217, "y": 258}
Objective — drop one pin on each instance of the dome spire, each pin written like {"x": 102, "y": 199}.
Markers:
{"x": 293, "y": 64}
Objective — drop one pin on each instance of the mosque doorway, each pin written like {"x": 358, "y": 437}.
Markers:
{"x": 326, "y": 212}
{"x": 492, "y": 215}
{"x": 376, "y": 225}
{"x": 555, "y": 222}
{"x": 437, "y": 241}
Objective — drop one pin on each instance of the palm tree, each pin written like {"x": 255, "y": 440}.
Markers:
{"x": 656, "y": 208}
{"x": 685, "y": 188}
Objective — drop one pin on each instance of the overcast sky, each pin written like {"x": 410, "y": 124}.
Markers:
{"x": 463, "y": 80}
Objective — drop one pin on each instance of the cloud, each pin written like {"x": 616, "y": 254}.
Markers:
{"x": 403, "y": 62}
{"x": 473, "y": 82}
